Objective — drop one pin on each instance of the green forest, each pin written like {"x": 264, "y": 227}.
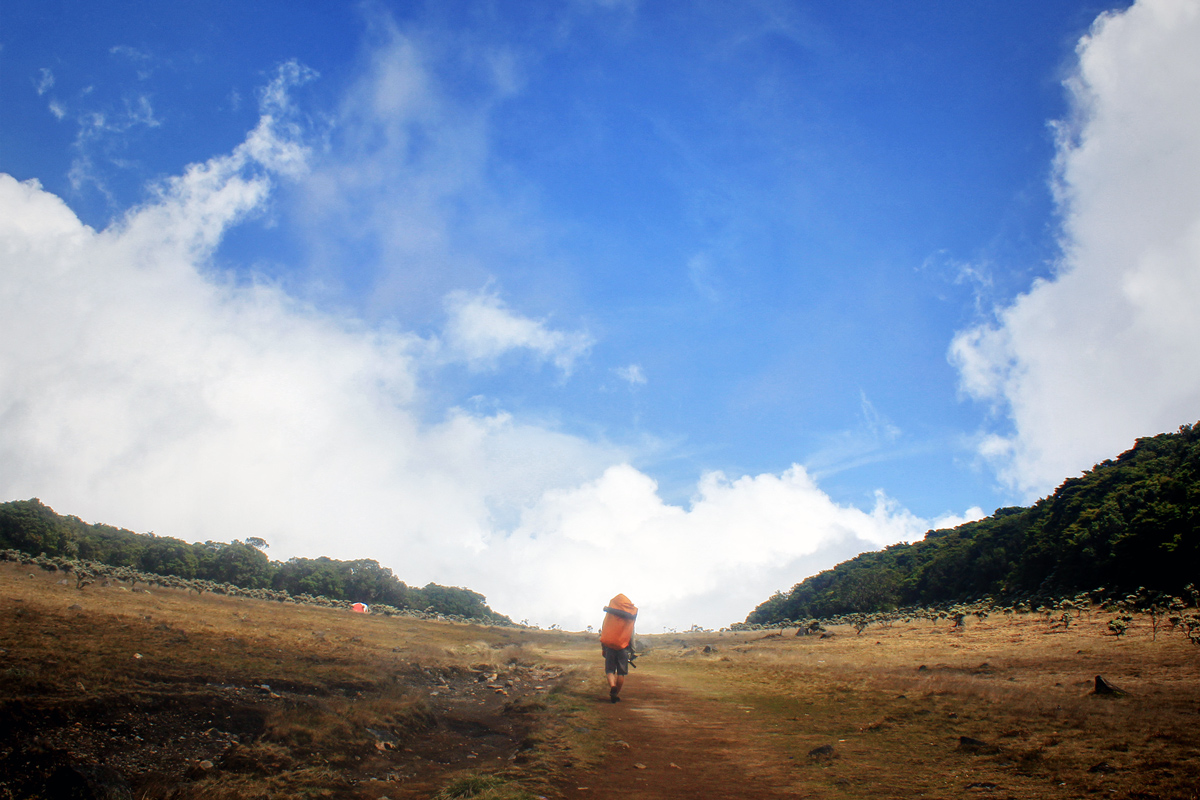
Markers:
{"x": 34, "y": 528}
{"x": 1126, "y": 524}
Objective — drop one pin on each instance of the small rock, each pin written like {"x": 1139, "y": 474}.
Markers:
{"x": 640, "y": 766}
{"x": 978, "y": 746}
{"x": 1103, "y": 767}
{"x": 137, "y": 655}
{"x": 824, "y": 751}
{"x": 1104, "y": 687}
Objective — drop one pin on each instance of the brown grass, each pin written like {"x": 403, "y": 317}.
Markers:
{"x": 189, "y": 696}
{"x": 895, "y": 702}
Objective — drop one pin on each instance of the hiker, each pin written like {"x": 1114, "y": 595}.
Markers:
{"x": 616, "y": 643}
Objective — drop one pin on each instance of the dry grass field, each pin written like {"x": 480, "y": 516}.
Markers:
{"x": 116, "y": 693}
{"x": 113, "y": 692}
{"x": 1003, "y": 708}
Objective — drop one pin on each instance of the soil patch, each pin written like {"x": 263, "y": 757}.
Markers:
{"x": 667, "y": 742}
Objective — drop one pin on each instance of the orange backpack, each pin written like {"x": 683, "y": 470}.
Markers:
{"x": 617, "y": 631}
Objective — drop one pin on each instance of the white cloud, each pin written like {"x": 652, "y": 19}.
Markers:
{"x": 879, "y": 426}
{"x": 739, "y": 540}
{"x": 98, "y": 130}
{"x": 954, "y": 520}
{"x": 405, "y": 177}
{"x": 136, "y": 390}
{"x": 131, "y": 53}
{"x": 481, "y": 329}
{"x": 141, "y": 387}
{"x": 1109, "y": 348}
{"x": 44, "y": 82}
{"x": 631, "y": 374}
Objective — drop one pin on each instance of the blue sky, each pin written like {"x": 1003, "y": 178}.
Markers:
{"x": 518, "y": 293}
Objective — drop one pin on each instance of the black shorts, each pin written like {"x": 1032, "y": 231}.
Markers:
{"x": 616, "y": 661}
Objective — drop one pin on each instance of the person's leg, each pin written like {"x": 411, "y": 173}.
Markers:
{"x": 615, "y": 668}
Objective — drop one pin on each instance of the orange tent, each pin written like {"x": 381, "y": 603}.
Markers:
{"x": 616, "y": 632}
{"x": 360, "y": 608}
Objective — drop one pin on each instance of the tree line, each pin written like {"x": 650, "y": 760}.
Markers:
{"x": 1127, "y": 524}
{"x": 32, "y": 527}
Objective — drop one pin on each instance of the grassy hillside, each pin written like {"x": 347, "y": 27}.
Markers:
{"x": 1126, "y": 524}
{"x": 114, "y": 690}
{"x": 33, "y": 528}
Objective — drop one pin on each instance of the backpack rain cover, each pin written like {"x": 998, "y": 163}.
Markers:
{"x": 617, "y": 630}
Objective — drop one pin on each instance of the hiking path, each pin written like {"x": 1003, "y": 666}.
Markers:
{"x": 668, "y": 742}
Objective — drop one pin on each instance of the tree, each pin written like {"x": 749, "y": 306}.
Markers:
{"x": 167, "y": 556}
{"x": 238, "y": 563}
{"x": 31, "y": 527}
{"x": 1129, "y": 522}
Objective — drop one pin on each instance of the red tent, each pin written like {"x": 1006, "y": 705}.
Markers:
{"x": 360, "y": 608}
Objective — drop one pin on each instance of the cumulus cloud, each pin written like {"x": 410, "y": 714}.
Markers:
{"x": 1109, "y": 348}
{"x": 739, "y": 540}
{"x": 138, "y": 391}
{"x": 137, "y": 387}
{"x": 141, "y": 386}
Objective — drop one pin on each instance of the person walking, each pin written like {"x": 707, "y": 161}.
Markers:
{"x": 616, "y": 643}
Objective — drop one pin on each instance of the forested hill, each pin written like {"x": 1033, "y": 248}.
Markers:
{"x": 34, "y": 528}
{"x": 1129, "y": 523}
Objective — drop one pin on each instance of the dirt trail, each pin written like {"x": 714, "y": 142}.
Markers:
{"x": 670, "y": 743}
